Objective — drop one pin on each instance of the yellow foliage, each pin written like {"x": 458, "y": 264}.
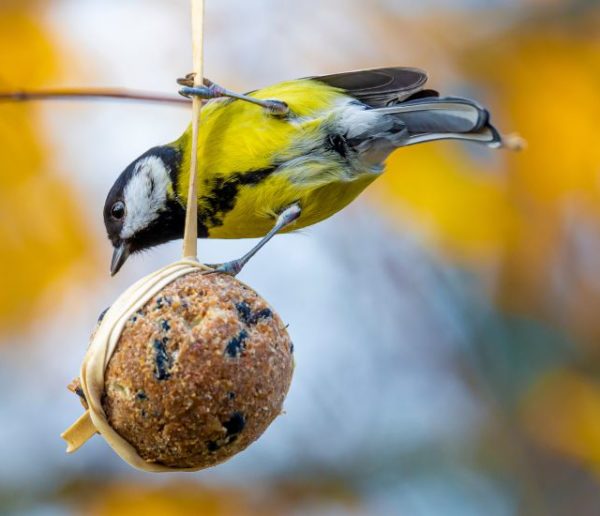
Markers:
{"x": 520, "y": 211}
{"x": 465, "y": 207}
{"x": 40, "y": 230}
{"x": 131, "y": 498}
{"x": 181, "y": 499}
{"x": 562, "y": 412}
{"x": 26, "y": 54}
{"x": 552, "y": 99}
{"x": 545, "y": 84}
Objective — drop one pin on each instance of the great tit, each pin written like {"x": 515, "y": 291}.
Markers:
{"x": 263, "y": 170}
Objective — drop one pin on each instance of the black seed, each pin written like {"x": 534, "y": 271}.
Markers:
{"x": 162, "y": 360}
{"x": 244, "y": 311}
{"x": 234, "y": 425}
{"x": 141, "y": 396}
{"x": 265, "y": 313}
{"x": 137, "y": 315}
{"x": 144, "y": 413}
{"x": 230, "y": 395}
{"x": 291, "y": 347}
{"x": 246, "y": 315}
{"x": 236, "y": 345}
{"x": 165, "y": 325}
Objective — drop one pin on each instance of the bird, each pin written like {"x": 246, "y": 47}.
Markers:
{"x": 283, "y": 157}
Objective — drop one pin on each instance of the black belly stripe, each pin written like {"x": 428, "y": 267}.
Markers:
{"x": 223, "y": 194}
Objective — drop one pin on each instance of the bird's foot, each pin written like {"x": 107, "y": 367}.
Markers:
{"x": 210, "y": 90}
{"x": 231, "y": 268}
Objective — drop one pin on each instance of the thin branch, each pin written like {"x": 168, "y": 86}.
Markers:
{"x": 91, "y": 94}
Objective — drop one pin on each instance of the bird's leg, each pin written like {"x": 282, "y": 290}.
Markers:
{"x": 210, "y": 90}
{"x": 286, "y": 217}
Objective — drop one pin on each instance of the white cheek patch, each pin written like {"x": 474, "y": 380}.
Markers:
{"x": 145, "y": 195}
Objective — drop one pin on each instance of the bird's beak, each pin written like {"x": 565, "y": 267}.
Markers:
{"x": 119, "y": 257}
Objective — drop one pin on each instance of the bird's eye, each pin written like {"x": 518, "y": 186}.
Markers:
{"x": 118, "y": 210}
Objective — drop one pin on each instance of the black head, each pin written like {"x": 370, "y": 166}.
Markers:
{"x": 138, "y": 212}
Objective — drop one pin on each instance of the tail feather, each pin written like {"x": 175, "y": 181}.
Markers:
{"x": 488, "y": 136}
{"x": 429, "y": 119}
{"x": 426, "y": 119}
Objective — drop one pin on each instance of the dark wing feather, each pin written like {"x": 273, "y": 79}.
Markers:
{"x": 380, "y": 86}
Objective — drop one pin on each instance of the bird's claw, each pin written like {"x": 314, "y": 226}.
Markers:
{"x": 276, "y": 108}
{"x": 231, "y": 268}
{"x": 188, "y": 80}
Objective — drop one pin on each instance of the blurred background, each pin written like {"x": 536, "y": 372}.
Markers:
{"x": 446, "y": 325}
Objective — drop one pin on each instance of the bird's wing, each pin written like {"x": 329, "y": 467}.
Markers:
{"x": 380, "y": 86}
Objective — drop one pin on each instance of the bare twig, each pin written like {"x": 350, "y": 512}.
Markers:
{"x": 91, "y": 94}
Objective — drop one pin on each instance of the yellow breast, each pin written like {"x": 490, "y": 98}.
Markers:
{"x": 239, "y": 194}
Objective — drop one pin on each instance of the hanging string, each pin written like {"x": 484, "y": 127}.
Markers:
{"x": 108, "y": 333}
{"x": 190, "y": 235}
